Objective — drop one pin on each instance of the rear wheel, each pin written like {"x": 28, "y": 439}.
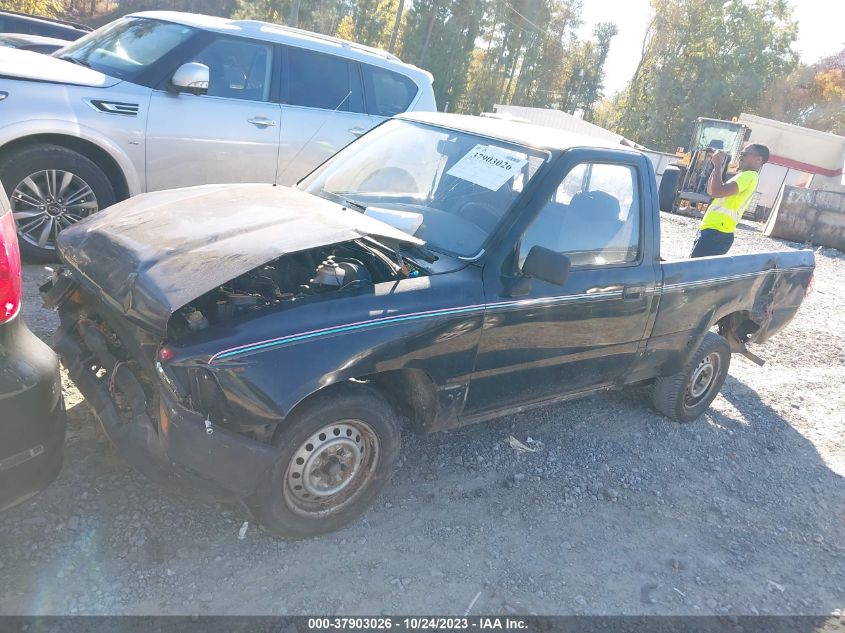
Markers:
{"x": 335, "y": 456}
{"x": 686, "y": 395}
{"x": 51, "y": 188}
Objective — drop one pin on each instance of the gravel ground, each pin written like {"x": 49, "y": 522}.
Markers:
{"x": 618, "y": 510}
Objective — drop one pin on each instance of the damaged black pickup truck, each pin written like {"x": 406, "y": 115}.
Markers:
{"x": 263, "y": 343}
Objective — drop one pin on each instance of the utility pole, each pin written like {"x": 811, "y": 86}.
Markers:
{"x": 294, "y": 13}
{"x": 395, "y": 34}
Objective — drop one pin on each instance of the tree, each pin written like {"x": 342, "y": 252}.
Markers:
{"x": 439, "y": 36}
{"x": 550, "y": 61}
{"x": 46, "y": 8}
{"x": 607, "y": 112}
{"x": 221, "y": 8}
{"x": 526, "y": 55}
{"x": 705, "y": 58}
{"x": 369, "y": 22}
{"x": 593, "y": 68}
{"x": 812, "y": 96}
{"x": 322, "y": 16}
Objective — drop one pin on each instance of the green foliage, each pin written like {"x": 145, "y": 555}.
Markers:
{"x": 480, "y": 52}
{"x": 322, "y": 16}
{"x": 705, "y": 58}
{"x": 369, "y": 22}
{"x": 440, "y": 36}
{"x": 812, "y": 96}
{"x": 529, "y": 54}
{"x": 552, "y": 57}
{"x": 46, "y": 8}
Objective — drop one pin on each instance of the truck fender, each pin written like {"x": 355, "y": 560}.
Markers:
{"x": 675, "y": 364}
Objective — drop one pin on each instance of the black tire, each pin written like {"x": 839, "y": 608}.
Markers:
{"x": 283, "y": 510}
{"x": 669, "y": 183}
{"x": 18, "y": 164}
{"x": 685, "y": 396}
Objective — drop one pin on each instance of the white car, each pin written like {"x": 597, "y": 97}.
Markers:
{"x": 157, "y": 100}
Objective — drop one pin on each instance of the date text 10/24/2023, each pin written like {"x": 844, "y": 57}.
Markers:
{"x": 416, "y": 623}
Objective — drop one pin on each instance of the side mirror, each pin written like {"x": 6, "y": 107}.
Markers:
{"x": 547, "y": 265}
{"x": 191, "y": 77}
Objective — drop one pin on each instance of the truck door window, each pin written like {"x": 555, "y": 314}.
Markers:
{"x": 238, "y": 69}
{"x": 593, "y": 217}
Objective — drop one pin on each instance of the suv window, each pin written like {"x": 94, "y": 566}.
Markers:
{"x": 388, "y": 93}
{"x": 593, "y": 217}
{"x": 127, "y": 47}
{"x": 319, "y": 80}
{"x": 238, "y": 69}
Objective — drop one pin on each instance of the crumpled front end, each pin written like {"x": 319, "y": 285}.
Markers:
{"x": 140, "y": 411}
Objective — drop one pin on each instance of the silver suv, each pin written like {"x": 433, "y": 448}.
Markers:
{"x": 157, "y": 100}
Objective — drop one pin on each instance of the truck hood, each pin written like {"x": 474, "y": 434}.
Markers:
{"x": 31, "y": 66}
{"x": 153, "y": 254}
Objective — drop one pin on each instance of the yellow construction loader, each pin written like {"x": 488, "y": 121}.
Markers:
{"x": 683, "y": 187}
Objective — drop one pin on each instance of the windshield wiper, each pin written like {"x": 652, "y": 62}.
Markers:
{"x": 424, "y": 253}
{"x": 73, "y": 60}
{"x": 347, "y": 202}
{"x": 352, "y": 203}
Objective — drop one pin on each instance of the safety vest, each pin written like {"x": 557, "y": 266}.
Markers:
{"x": 724, "y": 213}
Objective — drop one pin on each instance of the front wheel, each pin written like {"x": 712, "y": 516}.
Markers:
{"x": 334, "y": 457}
{"x": 686, "y": 395}
{"x": 51, "y": 188}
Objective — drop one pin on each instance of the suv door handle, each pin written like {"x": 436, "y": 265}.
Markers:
{"x": 633, "y": 292}
{"x": 261, "y": 121}
{"x": 357, "y": 131}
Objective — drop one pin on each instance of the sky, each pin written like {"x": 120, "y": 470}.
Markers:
{"x": 820, "y": 32}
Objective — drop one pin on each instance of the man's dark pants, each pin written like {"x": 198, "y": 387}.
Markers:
{"x": 711, "y": 242}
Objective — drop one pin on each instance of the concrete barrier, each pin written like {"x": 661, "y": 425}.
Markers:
{"x": 809, "y": 215}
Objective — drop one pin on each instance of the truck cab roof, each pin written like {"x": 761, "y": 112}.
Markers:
{"x": 528, "y": 134}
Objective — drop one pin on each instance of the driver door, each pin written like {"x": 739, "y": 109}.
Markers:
{"x": 550, "y": 340}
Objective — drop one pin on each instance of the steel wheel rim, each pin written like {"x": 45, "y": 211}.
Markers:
{"x": 47, "y": 201}
{"x": 331, "y": 468}
{"x": 702, "y": 379}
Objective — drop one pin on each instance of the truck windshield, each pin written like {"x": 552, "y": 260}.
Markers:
{"x": 126, "y": 47}
{"x": 447, "y": 187}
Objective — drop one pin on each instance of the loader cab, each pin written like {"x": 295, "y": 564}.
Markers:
{"x": 708, "y": 136}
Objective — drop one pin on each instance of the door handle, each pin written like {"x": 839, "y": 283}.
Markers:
{"x": 357, "y": 131}
{"x": 633, "y": 292}
{"x": 261, "y": 121}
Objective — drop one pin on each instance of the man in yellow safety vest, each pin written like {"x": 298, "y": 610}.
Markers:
{"x": 730, "y": 200}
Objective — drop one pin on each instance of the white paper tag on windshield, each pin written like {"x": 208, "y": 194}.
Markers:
{"x": 488, "y": 166}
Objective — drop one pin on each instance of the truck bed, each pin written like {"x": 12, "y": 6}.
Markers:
{"x": 749, "y": 297}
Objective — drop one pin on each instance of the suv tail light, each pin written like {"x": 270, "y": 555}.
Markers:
{"x": 11, "y": 286}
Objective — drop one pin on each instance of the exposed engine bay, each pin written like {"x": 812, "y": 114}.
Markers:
{"x": 295, "y": 277}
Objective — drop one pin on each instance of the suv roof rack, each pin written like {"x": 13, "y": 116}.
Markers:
{"x": 320, "y": 36}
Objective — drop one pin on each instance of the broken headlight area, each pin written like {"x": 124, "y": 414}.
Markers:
{"x": 237, "y": 408}
{"x": 205, "y": 396}
{"x": 307, "y": 275}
